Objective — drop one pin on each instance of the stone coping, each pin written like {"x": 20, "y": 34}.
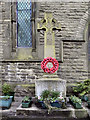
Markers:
{"x": 50, "y": 80}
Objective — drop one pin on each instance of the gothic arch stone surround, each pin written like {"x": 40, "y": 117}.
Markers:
{"x": 82, "y": 27}
{"x": 82, "y": 34}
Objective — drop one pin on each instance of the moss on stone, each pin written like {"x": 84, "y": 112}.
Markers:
{"x": 81, "y": 113}
{"x": 72, "y": 84}
{"x": 27, "y": 85}
{"x": 24, "y": 54}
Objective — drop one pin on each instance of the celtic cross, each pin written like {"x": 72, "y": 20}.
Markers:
{"x": 49, "y": 25}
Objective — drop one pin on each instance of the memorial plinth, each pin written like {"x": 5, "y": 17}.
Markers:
{"x": 55, "y": 84}
{"x": 49, "y": 81}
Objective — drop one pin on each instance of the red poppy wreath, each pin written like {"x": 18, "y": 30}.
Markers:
{"x": 53, "y": 61}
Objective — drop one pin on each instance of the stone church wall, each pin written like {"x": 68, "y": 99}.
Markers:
{"x": 73, "y": 18}
{"x": 75, "y": 63}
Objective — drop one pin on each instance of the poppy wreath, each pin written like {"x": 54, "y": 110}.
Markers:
{"x": 53, "y": 61}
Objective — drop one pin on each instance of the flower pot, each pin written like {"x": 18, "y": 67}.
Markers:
{"x": 84, "y": 98}
{"x": 42, "y": 104}
{"x": 56, "y": 104}
{"x": 5, "y": 103}
{"x": 10, "y": 94}
{"x": 25, "y": 105}
{"x": 88, "y": 102}
{"x": 77, "y": 105}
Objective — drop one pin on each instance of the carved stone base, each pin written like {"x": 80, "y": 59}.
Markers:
{"x": 50, "y": 83}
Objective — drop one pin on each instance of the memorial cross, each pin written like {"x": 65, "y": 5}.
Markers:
{"x": 49, "y": 25}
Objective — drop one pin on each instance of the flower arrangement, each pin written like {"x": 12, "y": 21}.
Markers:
{"x": 49, "y": 70}
{"x": 53, "y": 98}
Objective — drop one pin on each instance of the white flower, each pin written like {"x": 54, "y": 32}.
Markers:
{"x": 39, "y": 97}
{"x": 61, "y": 97}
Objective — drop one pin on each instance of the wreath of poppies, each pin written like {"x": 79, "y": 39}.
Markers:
{"x": 53, "y": 61}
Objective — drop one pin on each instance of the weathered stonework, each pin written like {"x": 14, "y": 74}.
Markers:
{"x": 21, "y": 72}
{"x": 73, "y": 17}
{"x": 74, "y": 66}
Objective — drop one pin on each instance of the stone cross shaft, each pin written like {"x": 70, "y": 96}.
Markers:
{"x": 49, "y": 25}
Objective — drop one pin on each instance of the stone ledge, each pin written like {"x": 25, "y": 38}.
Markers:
{"x": 64, "y": 113}
{"x": 40, "y": 118}
{"x": 81, "y": 113}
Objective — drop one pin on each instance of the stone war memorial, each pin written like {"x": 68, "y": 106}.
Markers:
{"x": 45, "y": 60}
{"x": 48, "y": 81}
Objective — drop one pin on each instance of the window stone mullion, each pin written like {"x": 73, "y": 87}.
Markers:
{"x": 13, "y": 26}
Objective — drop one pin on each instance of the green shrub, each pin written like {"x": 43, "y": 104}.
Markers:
{"x": 45, "y": 94}
{"x": 5, "y": 98}
{"x": 26, "y": 99}
{"x": 54, "y": 94}
{"x": 75, "y": 99}
{"x": 7, "y": 88}
{"x": 49, "y": 95}
{"x": 82, "y": 88}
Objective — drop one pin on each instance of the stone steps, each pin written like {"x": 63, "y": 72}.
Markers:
{"x": 41, "y": 118}
{"x": 34, "y": 113}
{"x": 68, "y": 113}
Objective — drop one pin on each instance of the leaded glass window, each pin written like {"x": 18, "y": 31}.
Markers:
{"x": 24, "y": 26}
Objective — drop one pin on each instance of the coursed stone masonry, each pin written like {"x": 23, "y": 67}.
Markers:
{"x": 74, "y": 67}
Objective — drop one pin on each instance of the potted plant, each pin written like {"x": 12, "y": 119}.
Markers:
{"x": 51, "y": 98}
{"x": 77, "y": 103}
{"x": 26, "y": 102}
{"x": 41, "y": 103}
{"x": 84, "y": 97}
{"x": 8, "y": 89}
{"x": 82, "y": 89}
{"x": 56, "y": 102}
{"x": 5, "y": 101}
{"x": 55, "y": 99}
{"x": 45, "y": 94}
{"x": 44, "y": 97}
